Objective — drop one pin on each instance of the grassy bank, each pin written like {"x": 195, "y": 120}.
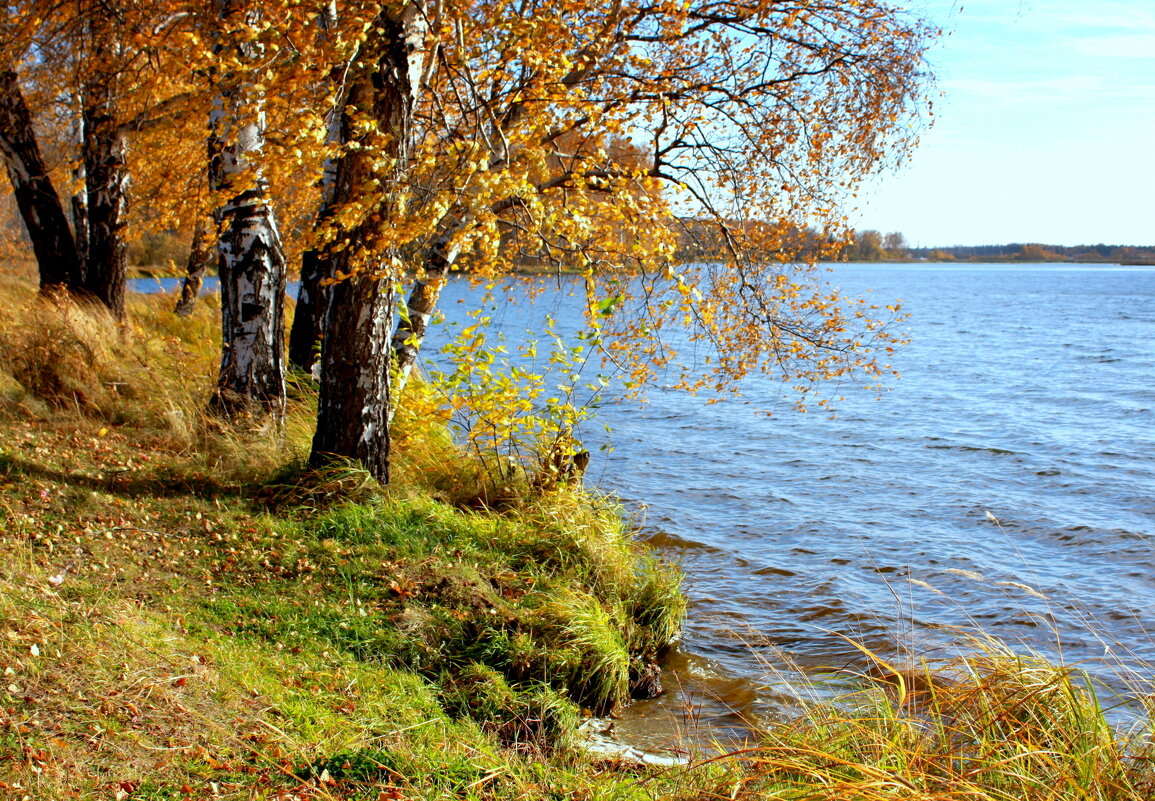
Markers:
{"x": 189, "y": 613}
{"x": 186, "y": 613}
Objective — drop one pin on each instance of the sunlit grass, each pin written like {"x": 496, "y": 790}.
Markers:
{"x": 989, "y": 725}
{"x": 191, "y": 612}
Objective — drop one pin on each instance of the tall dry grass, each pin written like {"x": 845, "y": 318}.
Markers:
{"x": 155, "y": 372}
{"x": 992, "y": 725}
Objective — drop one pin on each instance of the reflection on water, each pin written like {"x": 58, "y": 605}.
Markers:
{"x": 1005, "y": 483}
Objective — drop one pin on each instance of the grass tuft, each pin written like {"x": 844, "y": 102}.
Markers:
{"x": 66, "y": 356}
{"x": 990, "y": 726}
{"x": 532, "y": 718}
{"x": 299, "y": 487}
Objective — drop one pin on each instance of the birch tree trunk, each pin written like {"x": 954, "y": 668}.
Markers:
{"x": 79, "y": 207}
{"x": 104, "y": 146}
{"x": 309, "y": 316}
{"x": 106, "y": 176}
{"x": 353, "y": 412}
{"x": 251, "y": 263}
{"x": 312, "y": 292}
{"x": 423, "y": 297}
{"x": 78, "y": 201}
{"x": 36, "y": 197}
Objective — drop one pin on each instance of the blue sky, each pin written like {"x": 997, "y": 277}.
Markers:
{"x": 1044, "y": 129}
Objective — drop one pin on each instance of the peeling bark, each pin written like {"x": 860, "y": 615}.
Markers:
{"x": 252, "y": 274}
{"x": 354, "y": 399}
{"x": 36, "y": 197}
{"x": 106, "y": 176}
{"x": 105, "y": 148}
{"x": 251, "y": 263}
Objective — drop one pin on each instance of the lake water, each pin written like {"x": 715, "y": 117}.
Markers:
{"x": 1006, "y": 483}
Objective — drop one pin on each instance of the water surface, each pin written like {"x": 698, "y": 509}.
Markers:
{"x": 1004, "y": 484}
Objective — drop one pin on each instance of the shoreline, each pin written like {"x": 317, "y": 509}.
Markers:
{"x": 191, "y": 615}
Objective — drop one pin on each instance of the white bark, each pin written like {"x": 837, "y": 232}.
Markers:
{"x": 250, "y": 258}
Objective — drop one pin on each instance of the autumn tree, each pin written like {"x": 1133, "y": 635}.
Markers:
{"x": 476, "y": 133}
{"x": 313, "y": 289}
{"x": 95, "y": 71}
{"x": 894, "y": 244}
{"x": 104, "y": 55}
{"x": 866, "y": 246}
{"x": 36, "y": 196}
{"x": 756, "y": 118}
{"x": 376, "y": 136}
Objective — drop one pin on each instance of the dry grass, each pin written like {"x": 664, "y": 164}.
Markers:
{"x": 154, "y": 374}
{"x": 990, "y": 726}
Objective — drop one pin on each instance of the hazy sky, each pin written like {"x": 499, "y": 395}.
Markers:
{"x": 1044, "y": 131}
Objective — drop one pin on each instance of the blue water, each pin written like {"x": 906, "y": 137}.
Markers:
{"x": 1006, "y": 483}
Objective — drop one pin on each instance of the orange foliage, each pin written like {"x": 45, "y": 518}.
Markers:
{"x": 583, "y": 134}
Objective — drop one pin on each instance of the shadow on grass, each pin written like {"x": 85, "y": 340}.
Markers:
{"x": 162, "y": 483}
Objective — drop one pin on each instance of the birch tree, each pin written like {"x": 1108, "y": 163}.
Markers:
{"x": 36, "y": 196}
{"x": 478, "y": 135}
{"x": 376, "y": 131}
{"x": 105, "y": 156}
{"x": 95, "y": 69}
{"x": 757, "y": 119}
{"x": 251, "y": 262}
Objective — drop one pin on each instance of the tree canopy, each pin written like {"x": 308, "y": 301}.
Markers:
{"x": 479, "y": 136}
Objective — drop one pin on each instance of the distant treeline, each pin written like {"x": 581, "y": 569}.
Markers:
{"x": 875, "y": 246}
{"x": 700, "y": 241}
{"x": 1037, "y": 252}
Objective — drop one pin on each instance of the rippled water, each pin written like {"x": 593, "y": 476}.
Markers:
{"x": 1006, "y": 483}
